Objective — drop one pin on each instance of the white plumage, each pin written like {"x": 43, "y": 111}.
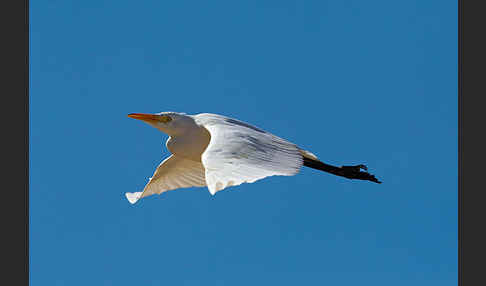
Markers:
{"x": 173, "y": 173}
{"x": 239, "y": 153}
{"x": 218, "y": 152}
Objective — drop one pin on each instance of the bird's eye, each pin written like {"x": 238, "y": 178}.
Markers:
{"x": 165, "y": 119}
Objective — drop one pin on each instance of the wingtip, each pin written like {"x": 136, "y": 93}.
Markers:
{"x": 212, "y": 192}
{"x": 133, "y": 197}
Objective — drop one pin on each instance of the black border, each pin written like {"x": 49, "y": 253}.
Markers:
{"x": 471, "y": 144}
{"x": 14, "y": 211}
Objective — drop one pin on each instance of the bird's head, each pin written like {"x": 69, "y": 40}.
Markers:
{"x": 171, "y": 123}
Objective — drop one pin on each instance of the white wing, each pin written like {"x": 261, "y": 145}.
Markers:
{"x": 173, "y": 173}
{"x": 239, "y": 152}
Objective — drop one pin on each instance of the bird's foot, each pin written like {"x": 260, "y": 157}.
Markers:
{"x": 354, "y": 172}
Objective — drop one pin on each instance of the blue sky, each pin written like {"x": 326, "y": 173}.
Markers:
{"x": 370, "y": 82}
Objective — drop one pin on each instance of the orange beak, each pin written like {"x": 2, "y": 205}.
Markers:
{"x": 150, "y": 118}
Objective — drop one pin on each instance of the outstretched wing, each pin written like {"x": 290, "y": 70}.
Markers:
{"x": 173, "y": 173}
{"x": 239, "y": 153}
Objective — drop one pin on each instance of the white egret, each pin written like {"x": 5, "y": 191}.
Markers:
{"x": 216, "y": 151}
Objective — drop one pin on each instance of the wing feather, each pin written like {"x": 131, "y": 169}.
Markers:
{"x": 239, "y": 152}
{"x": 173, "y": 173}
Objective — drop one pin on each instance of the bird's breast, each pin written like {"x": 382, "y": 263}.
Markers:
{"x": 190, "y": 145}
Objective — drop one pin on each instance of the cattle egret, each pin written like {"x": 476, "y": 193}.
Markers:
{"x": 217, "y": 151}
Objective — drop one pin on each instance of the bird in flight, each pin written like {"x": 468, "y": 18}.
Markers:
{"x": 218, "y": 152}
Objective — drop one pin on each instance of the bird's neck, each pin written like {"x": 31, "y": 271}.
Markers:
{"x": 189, "y": 145}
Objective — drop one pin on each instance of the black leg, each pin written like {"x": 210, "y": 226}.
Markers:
{"x": 350, "y": 172}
